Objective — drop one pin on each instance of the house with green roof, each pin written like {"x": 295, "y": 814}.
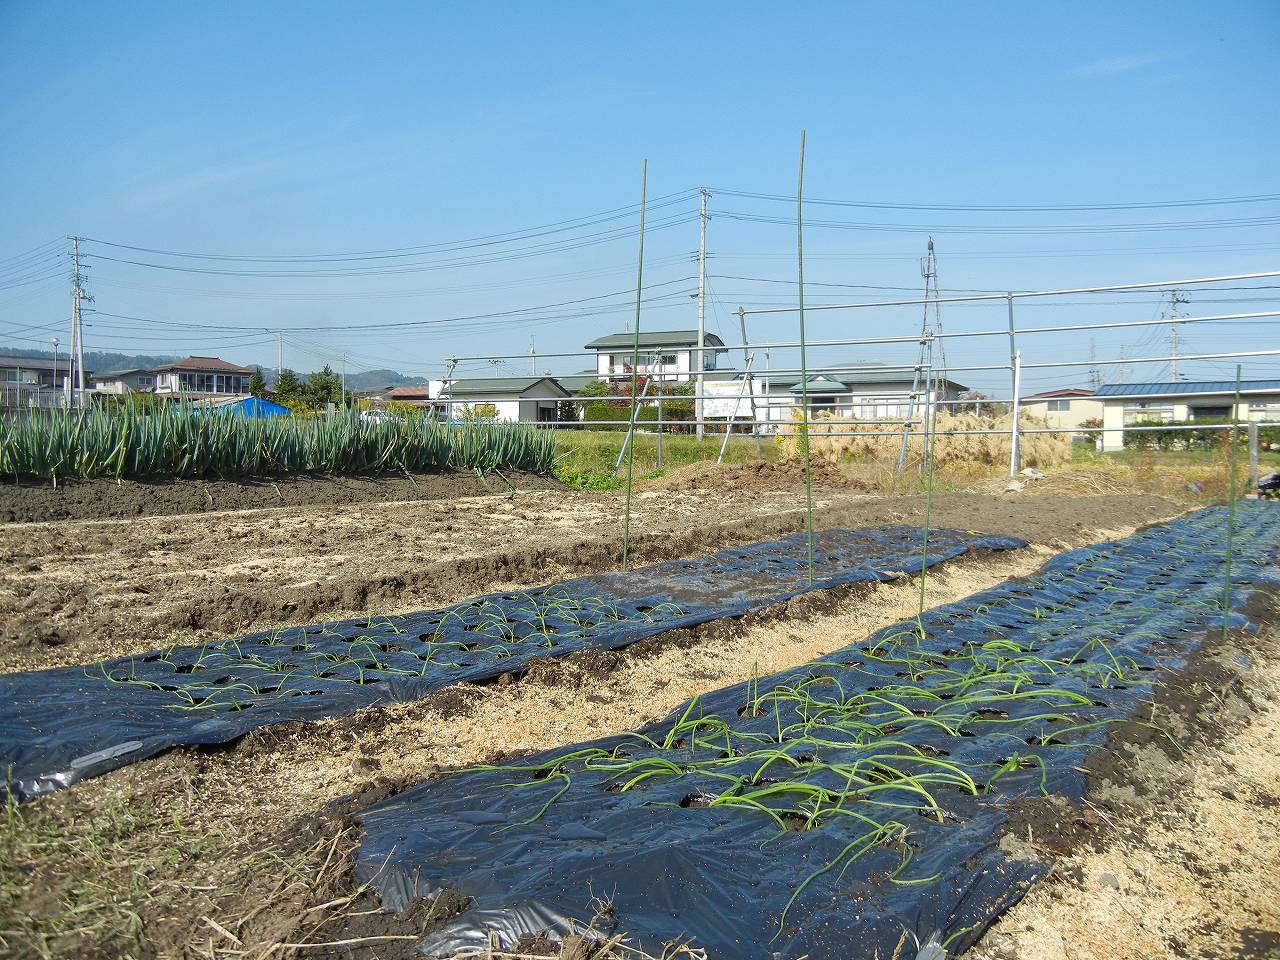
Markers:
{"x": 863, "y": 390}
{"x": 664, "y": 354}
{"x": 508, "y": 399}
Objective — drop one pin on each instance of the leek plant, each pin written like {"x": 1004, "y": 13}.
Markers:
{"x": 185, "y": 441}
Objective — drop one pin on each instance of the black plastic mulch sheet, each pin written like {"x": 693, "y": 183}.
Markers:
{"x": 849, "y": 808}
{"x": 61, "y": 726}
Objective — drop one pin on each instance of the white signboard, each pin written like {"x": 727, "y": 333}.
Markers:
{"x": 726, "y": 400}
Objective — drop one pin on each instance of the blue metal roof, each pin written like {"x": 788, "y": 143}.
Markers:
{"x": 1182, "y": 389}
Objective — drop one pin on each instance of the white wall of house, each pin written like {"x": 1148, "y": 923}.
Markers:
{"x": 536, "y": 405}
{"x": 776, "y": 405}
{"x": 201, "y": 383}
{"x": 134, "y": 383}
{"x": 666, "y": 363}
{"x": 1120, "y": 412}
{"x": 1065, "y": 412}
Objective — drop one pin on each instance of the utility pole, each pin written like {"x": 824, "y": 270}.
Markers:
{"x": 533, "y": 358}
{"x": 279, "y": 357}
{"x": 344, "y": 379}
{"x": 1176, "y": 297}
{"x": 78, "y": 295}
{"x": 701, "y": 380}
{"x": 1095, "y": 376}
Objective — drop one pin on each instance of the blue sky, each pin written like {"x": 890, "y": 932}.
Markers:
{"x": 318, "y": 128}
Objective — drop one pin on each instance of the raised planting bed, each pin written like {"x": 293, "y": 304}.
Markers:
{"x": 849, "y": 808}
{"x": 60, "y": 726}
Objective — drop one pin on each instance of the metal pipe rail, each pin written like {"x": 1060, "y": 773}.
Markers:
{"x": 913, "y": 338}
{"x": 1019, "y": 295}
{"x": 982, "y": 432}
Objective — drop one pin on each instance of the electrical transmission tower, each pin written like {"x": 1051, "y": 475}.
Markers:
{"x": 931, "y": 364}
{"x": 1176, "y": 299}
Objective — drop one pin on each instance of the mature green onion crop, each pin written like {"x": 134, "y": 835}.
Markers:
{"x": 184, "y": 442}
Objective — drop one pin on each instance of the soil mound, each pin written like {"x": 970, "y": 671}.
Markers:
{"x": 758, "y": 475}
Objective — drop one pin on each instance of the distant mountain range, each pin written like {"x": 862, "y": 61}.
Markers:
{"x": 101, "y": 361}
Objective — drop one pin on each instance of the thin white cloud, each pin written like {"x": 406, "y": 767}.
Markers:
{"x": 1111, "y": 66}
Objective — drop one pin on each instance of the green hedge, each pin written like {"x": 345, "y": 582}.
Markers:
{"x": 1170, "y": 439}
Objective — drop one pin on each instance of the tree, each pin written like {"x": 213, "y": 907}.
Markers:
{"x": 258, "y": 384}
{"x": 979, "y": 404}
{"x": 288, "y": 387}
{"x": 323, "y": 387}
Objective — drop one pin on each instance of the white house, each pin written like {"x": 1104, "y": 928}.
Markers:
{"x": 865, "y": 391}
{"x": 121, "y": 382}
{"x": 1124, "y": 404}
{"x": 665, "y": 354}
{"x": 508, "y": 399}
{"x": 1070, "y": 408}
{"x": 34, "y": 381}
{"x": 198, "y": 377}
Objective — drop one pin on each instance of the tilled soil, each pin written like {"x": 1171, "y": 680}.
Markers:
{"x": 233, "y": 852}
{"x": 35, "y": 501}
{"x": 77, "y": 591}
{"x": 245, "y": 843}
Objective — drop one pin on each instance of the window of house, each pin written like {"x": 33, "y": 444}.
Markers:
{"x": 1144, "y": 410}
{"x": 1059, "y": 406}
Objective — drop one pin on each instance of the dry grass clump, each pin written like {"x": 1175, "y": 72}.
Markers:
{"x": 876, "y": 440}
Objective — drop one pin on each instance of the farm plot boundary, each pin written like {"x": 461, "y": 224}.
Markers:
{"x": 135, "y": 707}
{"x": 781, "y": 790}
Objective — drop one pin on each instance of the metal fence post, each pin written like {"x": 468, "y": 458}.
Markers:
{"x": 659, "y": 426}
{"x": 1015, "y": 445}
{"x": 1015, "y": 370}
{"x": 1253, "y": 455}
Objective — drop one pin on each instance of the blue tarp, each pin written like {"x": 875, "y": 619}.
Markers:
{"x": 252, "y": 407}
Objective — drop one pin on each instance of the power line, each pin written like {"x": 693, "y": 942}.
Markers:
{"x": 451, "y": 246}
{"x": 1007, "y": 208}
{"x": 517, "y": 253}
{"x": 1037, "y": 229}
{"x": 417, "y": 323}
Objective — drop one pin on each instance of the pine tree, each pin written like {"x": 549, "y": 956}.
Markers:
{"x": 323, "y": 387}
{"x": 288, "y": 386}
{"x": 258, "y": 384}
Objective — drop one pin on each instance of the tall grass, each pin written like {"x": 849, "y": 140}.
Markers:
{"x": 184, "y": 442}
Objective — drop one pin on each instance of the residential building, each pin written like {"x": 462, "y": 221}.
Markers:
{"x": 1068, "y": 409}
{"x": 124, "y": 381}
{"x": 864, "y": 391}
{"x": 506, "y": 399}
{"x": 197, "y": 377}
{"x": 665, "y": 354}
{"x": 1127, "y": 403}
{"x": 27, "y": 382}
